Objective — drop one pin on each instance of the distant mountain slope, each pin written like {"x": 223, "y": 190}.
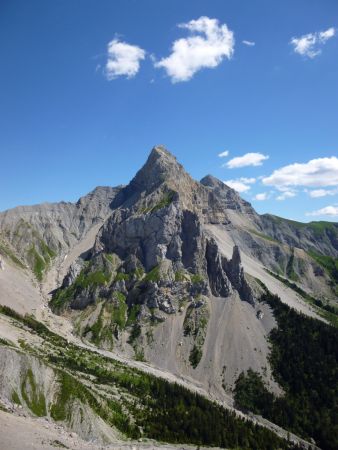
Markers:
{"x": 317, "y": 236}
{"x": 43, "y": 234}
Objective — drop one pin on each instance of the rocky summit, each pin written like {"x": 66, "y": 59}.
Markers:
{"x": 107, "y": 302}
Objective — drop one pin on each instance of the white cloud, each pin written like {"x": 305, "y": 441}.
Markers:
{"x": 249, "y": 159}
{"x": 240, "y": 184}
{"x": 325, "y": 35}
{"x": 318, "y": 172}
{"x": 249, "y": 43}
{"x": 123, "y": 59}
{"x": 326, "y": 211}
{"x": 317, "y": 193}
{"x": 223, "y": 154}
{"x": 209, "y": 44}
{"x": 262, "y": 196}
{"x": 286, "y": 194}
{"x": 309, "y": 44}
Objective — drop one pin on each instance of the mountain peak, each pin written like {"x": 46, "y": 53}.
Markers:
{"x": 160, "y": 166}
{"x": 211, "y": 181}
{"x": 160, "y": 151}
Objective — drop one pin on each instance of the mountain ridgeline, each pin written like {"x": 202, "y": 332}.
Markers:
{"x": 182, "y": 275}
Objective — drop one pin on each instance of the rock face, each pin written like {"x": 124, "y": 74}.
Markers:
{"x": 236, "y": 276}
{"x": 222, "y": 195}
{"x": 157, "y": 225}
{"x": 216, "y": 265}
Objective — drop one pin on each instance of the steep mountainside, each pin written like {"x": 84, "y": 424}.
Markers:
{"x": 169, "y": 273}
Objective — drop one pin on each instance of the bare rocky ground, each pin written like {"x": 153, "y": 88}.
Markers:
{"x": 43, "y": 433}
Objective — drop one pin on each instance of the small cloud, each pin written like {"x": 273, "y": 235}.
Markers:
{"x": 325, "y": 35}
{"x": 286, "y": 194}
{"x": 318, "y": 172}
{"x": 209, "y": 44}
{"x": 262, "y": 196}
{"x": 310, "y": 44}
{"x": 240, "y": 184}
{"x": 326, "y": 211}
{"x": 123, "y": 59}
{"x": 249, "y": 159}
{"x": 223, "y": 154}
{"x": 317, "y": 193}
{"x": 249, "y": 43}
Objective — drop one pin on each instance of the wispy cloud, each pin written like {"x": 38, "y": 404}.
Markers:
{"x": 249, "y": 159}
{"x": 285, "y": 195}
{"x": 262, "y": 196}
{"x": 123, "y": 59}
{"x": 240, "y": 184}
{"x": 318, "y": 193}
{"x": 209, "y": 44}
{"x": 318, "y": 172}
{"x": 249, "y": 43}
{"x": 223, "y": 154}
{"x": 310, "y": 44}
{"x": 331, "y": 210}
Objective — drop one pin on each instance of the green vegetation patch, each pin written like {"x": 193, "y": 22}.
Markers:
{"x": 119, "y": 310}
{"x": 40, "y": 257}
{"x": 165, "y": 201}
{"x": 180, "y": 276}
{"x": 195, "y": 325}
{"x": 33, "y": 397}
{"x": 122, "y": 276}
{"x": 153, "y": 275}
{"x": 196, "y": 278}
{"x": 251, "y": 393}
{"x": 264, "y": 236}
{"x": 57, "y": 443}
{"x": 112, "y": 317}
{"x": 6, "y": 342}
{"x": 84, "y": 280}
{"x": 133, "y": 312}
{"x": 329, "y": 263}
{"x": 39, "y": 264}
{"x": 195, "y": 356}
{"x": 16, "y": 398}
{"x": 290, "y": 271}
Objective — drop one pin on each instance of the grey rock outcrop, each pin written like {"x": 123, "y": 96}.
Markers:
{"x": 235, "y": 273}
{"x": 224, "y": 275}
{"x": 73, "y": 272}
{"x": 219, "y": 283}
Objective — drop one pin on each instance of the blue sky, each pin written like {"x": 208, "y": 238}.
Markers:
{"x": 70, "y": 122}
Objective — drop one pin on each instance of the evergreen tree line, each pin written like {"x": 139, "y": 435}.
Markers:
{"x": 304, "y": 353}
